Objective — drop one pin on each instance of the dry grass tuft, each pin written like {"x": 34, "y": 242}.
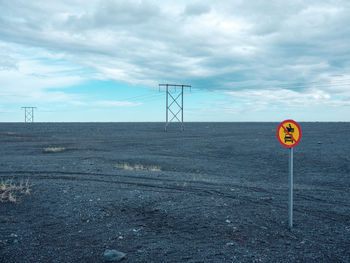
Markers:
{"x": 10, "y": 192}
{"x": 54, "y": 149}
{"x": 127, "y": 166}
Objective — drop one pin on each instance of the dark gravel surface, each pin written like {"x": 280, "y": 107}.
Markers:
{"x": 221, "y": 194}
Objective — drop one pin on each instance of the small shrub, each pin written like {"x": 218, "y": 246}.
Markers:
{"x": 127, "y": 166}
{"x": 154, "y": 168}
{"x": 10, "y": 192}
{"x": 54, "y": 149}
{"x": 12, "y": 197}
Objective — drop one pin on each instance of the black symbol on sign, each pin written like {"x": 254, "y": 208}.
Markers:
{"x": 287, "y": 137}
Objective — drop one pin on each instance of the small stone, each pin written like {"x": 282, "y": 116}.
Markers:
{"x": 113, "y": 255}
{"x": 137, "y": 230}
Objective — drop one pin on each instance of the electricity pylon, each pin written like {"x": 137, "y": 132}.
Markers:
{"x": 177, "y": 101}
{"x": 28, "y": 114}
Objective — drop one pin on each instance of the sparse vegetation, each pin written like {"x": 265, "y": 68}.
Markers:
{"x": 127, "y": 166}
{"x": 11, "y": 192}
{"x": 54, "y": 149}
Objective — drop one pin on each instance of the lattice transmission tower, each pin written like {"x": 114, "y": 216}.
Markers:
{"x": 28, "y": 114}
{"x": 174, "y": 103}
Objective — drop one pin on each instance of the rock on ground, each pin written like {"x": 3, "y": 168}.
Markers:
{"x": 113, "y": 255}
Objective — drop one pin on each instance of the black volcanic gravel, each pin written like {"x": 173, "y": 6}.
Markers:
{"x": 221, "y": 194}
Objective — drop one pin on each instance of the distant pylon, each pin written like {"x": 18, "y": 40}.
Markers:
{"x": 28, "y": 114}
{"x": 174, "y": 101}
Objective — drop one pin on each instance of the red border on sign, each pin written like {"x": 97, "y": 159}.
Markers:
{"x": 279, "y": 139}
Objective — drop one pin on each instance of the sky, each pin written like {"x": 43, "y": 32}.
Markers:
{"x": 102, "y": 60}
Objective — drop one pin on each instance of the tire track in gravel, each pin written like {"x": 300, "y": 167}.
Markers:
{"x": 201, "y": 191}
{"x": 211, "y": 184}
{"x": 202, "y": 187}
{"x": 107, "y": 175}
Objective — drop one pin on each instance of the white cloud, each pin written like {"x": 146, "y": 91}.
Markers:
{"x": 285, "y": 98}
{"x": 32, "y": 77}
{"x": 197, "y": 9}
{"x": 251, "y": 49}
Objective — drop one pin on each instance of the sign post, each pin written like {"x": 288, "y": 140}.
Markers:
{"x": 290, "y": 199}
{"x": 289, "y": 135}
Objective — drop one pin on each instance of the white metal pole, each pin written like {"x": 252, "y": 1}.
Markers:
{"x": 291, "y": 187}
{"x": 167, "y": 108}
{"x": 182, "y": 108}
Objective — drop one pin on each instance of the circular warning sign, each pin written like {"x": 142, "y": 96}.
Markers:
{"x": 289, "y": 133}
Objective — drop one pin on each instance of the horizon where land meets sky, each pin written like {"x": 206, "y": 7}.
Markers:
{"x": 102, "y": 60}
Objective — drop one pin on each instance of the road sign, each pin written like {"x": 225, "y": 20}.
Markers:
{"x": 289, "y": 133}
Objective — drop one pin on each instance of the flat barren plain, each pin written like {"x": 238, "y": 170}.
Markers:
{"x": 217, "y": 192}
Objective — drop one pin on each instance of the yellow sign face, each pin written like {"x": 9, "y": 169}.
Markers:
{"x": 289, "y": 133}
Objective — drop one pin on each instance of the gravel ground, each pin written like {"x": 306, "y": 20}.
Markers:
{"x": 217, "y": 192}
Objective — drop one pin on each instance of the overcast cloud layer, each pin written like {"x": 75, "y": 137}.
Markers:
{"x": 257, "y": 51}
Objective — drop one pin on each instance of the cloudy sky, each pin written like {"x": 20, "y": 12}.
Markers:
{"x": 102, "y": 60}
